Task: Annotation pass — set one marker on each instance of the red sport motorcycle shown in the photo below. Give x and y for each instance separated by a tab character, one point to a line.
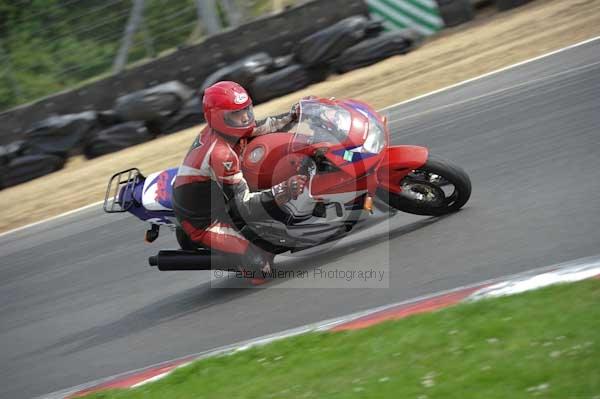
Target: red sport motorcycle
343	146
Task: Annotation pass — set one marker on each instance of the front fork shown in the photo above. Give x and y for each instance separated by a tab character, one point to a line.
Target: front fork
398	162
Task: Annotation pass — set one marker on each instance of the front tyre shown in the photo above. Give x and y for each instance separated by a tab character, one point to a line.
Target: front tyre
437	188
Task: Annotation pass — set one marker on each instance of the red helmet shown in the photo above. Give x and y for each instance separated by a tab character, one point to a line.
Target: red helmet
228	109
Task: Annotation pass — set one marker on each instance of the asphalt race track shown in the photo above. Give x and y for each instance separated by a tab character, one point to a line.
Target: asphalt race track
78	301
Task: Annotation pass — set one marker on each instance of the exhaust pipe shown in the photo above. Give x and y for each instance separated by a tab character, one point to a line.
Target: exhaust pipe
171	260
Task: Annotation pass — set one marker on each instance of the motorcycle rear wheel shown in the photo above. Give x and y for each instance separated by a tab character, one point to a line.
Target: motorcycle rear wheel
184	241
437	188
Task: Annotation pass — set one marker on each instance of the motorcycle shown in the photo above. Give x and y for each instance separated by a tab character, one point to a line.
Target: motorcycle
343	147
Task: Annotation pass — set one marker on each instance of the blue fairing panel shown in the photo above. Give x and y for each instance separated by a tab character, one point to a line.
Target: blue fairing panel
154	195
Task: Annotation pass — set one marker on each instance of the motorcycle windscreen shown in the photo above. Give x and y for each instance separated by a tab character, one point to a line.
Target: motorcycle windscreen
320	123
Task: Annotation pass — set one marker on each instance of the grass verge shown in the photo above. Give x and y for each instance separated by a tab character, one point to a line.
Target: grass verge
542	344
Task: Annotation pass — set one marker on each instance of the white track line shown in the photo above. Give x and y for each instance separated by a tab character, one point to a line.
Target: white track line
152	379
383	109
83	208
485	75
571	71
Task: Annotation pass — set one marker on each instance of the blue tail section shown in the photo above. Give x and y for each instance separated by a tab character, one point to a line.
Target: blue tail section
152	198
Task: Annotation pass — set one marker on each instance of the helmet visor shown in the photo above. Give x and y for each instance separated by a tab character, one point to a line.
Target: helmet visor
241	118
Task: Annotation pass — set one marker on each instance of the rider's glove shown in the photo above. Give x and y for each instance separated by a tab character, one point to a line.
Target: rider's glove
295	112
289	189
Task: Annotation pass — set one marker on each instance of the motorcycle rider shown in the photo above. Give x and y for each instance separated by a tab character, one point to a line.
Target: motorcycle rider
211	198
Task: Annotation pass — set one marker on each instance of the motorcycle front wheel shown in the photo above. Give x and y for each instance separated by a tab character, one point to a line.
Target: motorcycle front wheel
437	188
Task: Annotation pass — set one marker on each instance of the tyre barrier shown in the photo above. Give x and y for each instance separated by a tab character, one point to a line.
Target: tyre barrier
116	138
456	12
137	117
504	5
23	168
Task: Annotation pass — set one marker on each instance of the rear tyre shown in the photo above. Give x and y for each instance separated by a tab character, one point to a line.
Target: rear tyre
437	188
184	241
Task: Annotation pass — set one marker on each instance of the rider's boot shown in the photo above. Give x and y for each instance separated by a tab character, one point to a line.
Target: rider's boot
266	273
259	265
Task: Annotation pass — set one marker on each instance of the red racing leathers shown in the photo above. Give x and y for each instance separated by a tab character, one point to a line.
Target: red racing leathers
211	196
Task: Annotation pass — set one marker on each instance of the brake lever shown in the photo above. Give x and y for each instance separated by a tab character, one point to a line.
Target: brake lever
309	169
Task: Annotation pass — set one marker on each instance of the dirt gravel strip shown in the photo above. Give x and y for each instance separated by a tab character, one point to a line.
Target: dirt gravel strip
576	270
490	42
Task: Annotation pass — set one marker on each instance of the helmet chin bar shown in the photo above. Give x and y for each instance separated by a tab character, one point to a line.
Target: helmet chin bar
229	138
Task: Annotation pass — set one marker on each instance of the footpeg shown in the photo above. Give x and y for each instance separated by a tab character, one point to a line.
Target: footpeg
152	233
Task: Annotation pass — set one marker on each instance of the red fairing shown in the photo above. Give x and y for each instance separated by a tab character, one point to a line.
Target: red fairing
398	161
338	182
280	159
270	159
276	163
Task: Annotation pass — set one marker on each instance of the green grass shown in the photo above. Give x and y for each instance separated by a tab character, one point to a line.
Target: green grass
541	344
47	46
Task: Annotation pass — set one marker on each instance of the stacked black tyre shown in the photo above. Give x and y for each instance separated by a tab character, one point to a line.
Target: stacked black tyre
504	5
46	146
375	49
351	43
19	164
456	12
116	138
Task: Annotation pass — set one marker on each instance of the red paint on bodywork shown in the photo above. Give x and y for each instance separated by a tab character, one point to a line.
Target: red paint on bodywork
398	161
401	311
